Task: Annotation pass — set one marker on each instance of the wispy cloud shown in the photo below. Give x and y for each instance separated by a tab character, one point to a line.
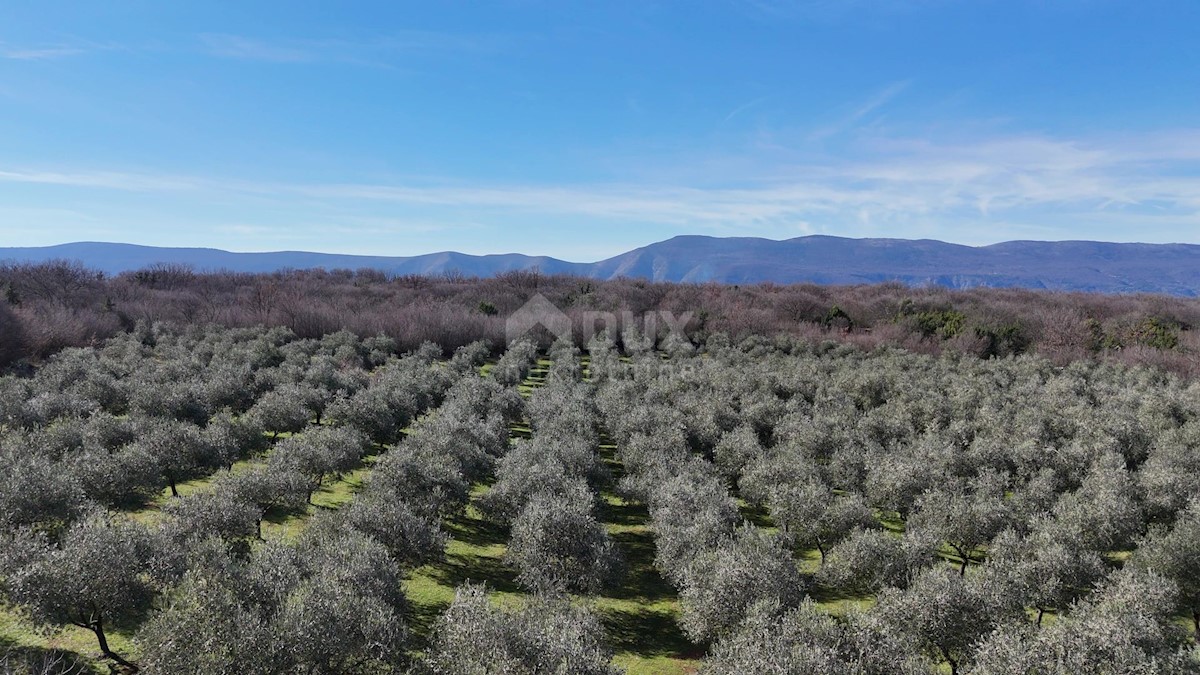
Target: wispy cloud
40	53
239	47
744	107
856	115
986	189
372	51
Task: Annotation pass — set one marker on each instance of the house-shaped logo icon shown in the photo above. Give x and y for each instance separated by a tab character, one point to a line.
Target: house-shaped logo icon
538	312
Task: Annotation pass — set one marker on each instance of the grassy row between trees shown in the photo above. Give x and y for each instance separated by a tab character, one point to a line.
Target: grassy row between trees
773	505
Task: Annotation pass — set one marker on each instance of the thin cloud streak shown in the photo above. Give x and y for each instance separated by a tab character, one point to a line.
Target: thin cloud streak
38	53
914	182
375	51
878	100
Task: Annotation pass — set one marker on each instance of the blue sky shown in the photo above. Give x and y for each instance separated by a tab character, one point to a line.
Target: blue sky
584	129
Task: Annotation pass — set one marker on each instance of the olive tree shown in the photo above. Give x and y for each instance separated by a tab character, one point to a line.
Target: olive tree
723	583
319	452
944	613
223	513
1047	569
410	533
98	576
545	635
813	516
963	518
1174	553
36	492
1126	627
808	640
557	544
869	560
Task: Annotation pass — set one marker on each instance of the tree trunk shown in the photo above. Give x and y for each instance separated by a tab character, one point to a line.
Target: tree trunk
97	627
821	550
174	491
1041	611
952	662
966	560
1196	623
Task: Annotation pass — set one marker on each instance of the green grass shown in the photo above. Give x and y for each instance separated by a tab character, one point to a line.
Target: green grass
19	632
639	615
75	644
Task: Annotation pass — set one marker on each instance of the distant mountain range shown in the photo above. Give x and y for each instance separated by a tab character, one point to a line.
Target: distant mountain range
1063	265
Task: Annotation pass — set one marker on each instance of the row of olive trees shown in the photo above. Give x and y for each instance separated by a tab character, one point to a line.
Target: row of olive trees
1036	474
332	603
66	561
545	489
722	569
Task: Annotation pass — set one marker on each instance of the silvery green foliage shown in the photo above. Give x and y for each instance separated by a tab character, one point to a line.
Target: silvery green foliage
330	604
411	535
1047	569
470	356
634	341
677	345
807	640
518	481
557	545
178	448
267	488
964	515
1126	627
230	438
104	431
544	636
320	452
565	365
286	409
35	494
1174	553
944	614
692	514
514	365
869	560
603	359
221	513
1105	512
1170	477
399	391
723	583
126	476
99	575
737	449
431	481
813	516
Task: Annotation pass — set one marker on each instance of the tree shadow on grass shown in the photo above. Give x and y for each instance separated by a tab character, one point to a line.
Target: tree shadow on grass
462	568
621	512
647	633
642	582
477	531
22	660
422	618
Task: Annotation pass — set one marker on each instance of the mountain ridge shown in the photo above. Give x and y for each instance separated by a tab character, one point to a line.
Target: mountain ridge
1075	265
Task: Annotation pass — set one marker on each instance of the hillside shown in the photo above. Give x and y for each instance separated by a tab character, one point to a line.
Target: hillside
1067	265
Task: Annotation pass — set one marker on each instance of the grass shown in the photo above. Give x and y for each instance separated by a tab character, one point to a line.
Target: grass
18	632
640	615
72	643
